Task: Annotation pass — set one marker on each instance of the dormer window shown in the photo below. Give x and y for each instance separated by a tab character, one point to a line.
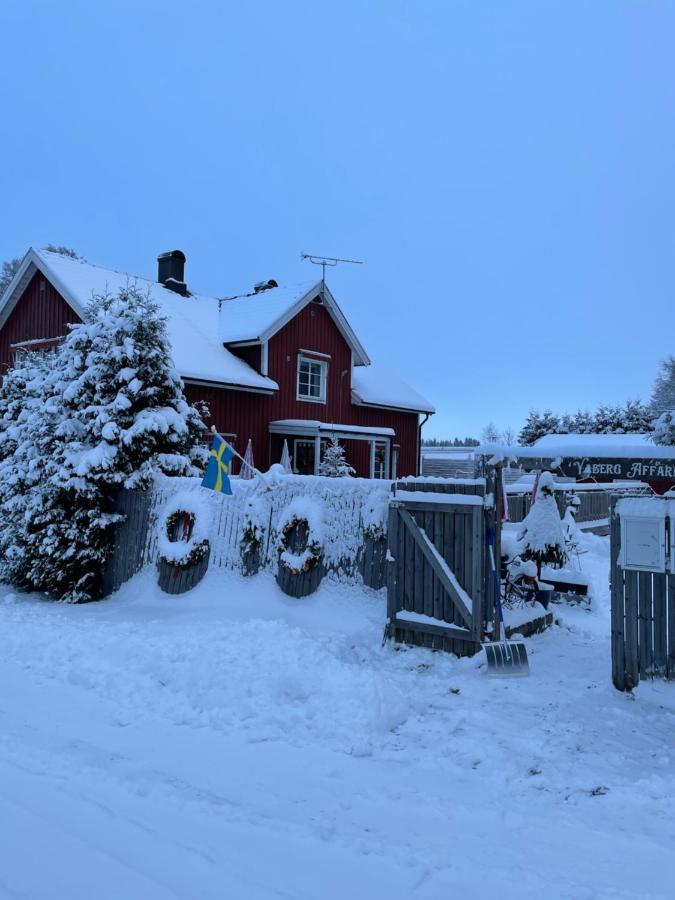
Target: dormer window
312	377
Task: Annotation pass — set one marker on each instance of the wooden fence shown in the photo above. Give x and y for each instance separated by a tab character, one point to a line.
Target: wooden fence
643	618
594	505
349	551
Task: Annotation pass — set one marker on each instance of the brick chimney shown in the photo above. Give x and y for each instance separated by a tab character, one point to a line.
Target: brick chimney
171	271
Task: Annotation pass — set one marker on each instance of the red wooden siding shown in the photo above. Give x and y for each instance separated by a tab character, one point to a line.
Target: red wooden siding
40	313
248	415
43	313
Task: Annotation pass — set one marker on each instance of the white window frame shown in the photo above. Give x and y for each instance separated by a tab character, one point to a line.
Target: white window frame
323	366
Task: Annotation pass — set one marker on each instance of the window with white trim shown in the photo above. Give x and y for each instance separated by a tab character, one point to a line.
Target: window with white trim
312	377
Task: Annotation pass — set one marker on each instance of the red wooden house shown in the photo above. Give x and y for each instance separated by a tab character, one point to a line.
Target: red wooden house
279	363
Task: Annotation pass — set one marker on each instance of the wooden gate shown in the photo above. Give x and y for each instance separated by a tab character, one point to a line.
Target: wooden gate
438	590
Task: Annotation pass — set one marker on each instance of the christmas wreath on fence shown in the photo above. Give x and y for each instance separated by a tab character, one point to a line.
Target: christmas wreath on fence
307	513
254	519
182	531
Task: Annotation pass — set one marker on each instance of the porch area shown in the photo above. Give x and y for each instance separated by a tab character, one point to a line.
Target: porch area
373	452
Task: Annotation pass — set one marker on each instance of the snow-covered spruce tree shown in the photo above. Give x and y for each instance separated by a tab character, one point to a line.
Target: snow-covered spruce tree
608	420
566	424
582	422
124	412
663	395
334	463
537	425
120	413
25	421
664	429
541	530
637	418
531	430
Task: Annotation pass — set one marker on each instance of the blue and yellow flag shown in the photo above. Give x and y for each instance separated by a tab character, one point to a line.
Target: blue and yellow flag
217	472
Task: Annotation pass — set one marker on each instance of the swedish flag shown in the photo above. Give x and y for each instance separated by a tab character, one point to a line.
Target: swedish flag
217	472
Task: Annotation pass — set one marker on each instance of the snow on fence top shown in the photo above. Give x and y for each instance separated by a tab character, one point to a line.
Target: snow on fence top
350	506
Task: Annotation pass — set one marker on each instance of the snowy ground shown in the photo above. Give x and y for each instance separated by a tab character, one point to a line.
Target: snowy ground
235	743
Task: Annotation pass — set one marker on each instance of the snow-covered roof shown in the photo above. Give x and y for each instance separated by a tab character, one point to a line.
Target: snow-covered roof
375	385
259	317
197	331
192	322
609	446
573	444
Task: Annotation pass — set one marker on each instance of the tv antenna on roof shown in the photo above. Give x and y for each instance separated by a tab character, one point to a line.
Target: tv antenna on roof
324	261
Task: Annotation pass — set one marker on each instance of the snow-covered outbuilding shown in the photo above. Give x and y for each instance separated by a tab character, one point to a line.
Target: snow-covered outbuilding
632	458
277	363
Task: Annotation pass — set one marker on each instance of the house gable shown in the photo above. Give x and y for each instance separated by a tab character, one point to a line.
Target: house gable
259	318
314	331
38	313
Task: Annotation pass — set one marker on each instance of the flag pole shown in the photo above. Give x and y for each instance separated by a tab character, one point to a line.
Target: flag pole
238	455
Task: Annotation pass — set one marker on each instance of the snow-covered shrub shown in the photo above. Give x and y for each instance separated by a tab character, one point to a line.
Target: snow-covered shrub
570	528
183	530
541	532
375	511
664	429
334	463
307	512
106	409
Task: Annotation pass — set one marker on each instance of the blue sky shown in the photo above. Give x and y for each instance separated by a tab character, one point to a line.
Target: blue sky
505	169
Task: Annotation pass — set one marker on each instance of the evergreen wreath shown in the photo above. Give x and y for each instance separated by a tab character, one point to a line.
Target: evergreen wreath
296	563
256	515
182	534
251	539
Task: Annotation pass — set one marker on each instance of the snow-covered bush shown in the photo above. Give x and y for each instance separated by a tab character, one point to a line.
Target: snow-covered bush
664	429
106	410
375	511
334	463
571	530
307	512
541	532
183	529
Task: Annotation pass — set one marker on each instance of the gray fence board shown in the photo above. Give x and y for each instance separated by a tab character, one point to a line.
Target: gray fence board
617	612
670	583
645	633
659	600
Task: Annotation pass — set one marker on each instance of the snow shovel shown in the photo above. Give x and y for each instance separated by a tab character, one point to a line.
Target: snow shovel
505	658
